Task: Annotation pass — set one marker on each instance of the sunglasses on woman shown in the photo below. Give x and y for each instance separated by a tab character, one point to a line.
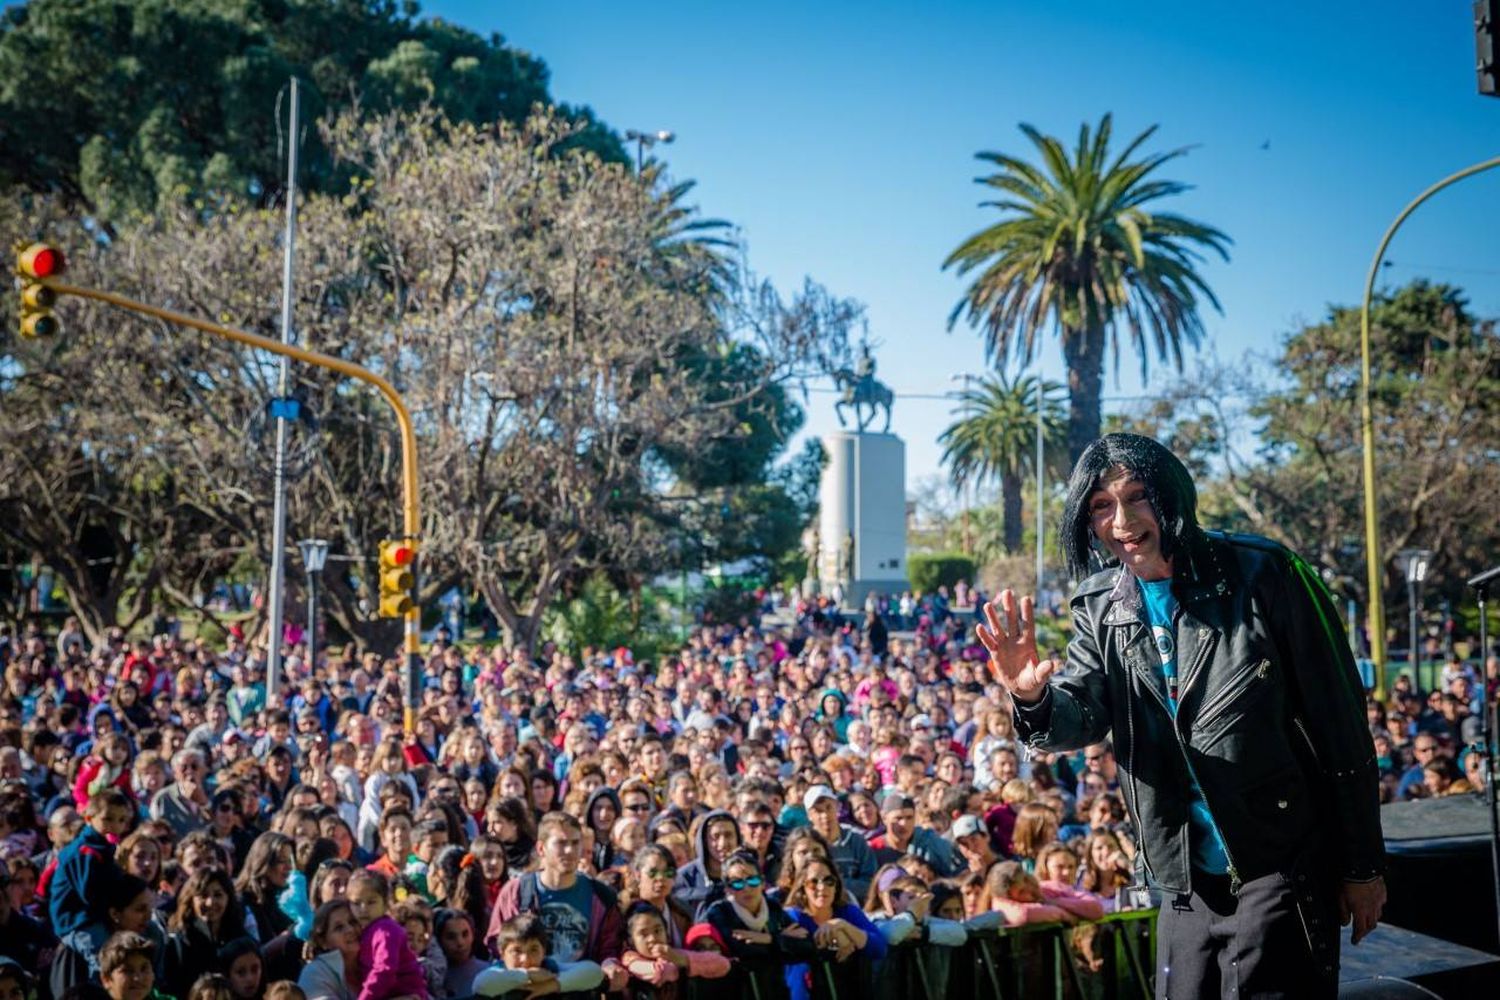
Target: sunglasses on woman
741	884
825	881
661	872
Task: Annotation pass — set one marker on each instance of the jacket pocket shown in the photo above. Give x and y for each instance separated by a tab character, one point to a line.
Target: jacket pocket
1239	692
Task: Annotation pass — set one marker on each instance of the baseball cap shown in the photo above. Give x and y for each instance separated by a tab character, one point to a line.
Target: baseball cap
922	721
897	800
967	826
816	794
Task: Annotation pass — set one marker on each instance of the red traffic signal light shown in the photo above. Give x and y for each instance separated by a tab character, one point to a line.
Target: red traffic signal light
33	264
41	261
397	581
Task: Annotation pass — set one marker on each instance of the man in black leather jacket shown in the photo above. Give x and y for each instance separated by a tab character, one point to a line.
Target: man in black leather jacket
1216	664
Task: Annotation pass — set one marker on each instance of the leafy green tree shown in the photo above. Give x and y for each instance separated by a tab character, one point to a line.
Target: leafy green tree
995	439
125	107
1080	251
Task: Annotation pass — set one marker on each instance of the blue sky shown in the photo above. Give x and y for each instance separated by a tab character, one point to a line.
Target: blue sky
840	139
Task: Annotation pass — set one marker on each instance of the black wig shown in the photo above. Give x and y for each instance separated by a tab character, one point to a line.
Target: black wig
1169	491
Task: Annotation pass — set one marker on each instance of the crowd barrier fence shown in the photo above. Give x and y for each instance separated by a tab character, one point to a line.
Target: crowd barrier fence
1108	959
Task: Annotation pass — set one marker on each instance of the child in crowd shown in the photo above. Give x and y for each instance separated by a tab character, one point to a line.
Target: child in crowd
84	867
387	965
125	966
655	964
415	917
210	986
284	989
1018	895
524	968
240	959
455	934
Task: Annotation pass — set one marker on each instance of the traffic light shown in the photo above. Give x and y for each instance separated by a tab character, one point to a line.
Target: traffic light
1487	45
34	263
397	577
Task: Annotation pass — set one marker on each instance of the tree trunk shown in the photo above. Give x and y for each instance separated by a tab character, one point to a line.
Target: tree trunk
1084	353
1010	510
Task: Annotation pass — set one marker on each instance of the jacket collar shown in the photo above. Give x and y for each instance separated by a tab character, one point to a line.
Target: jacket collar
1197	575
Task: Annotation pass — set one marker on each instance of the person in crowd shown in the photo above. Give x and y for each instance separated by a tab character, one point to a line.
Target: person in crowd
700	882
125	967
579	913
332	953
819	903
208	915
762	938
847	848
652	960
387	965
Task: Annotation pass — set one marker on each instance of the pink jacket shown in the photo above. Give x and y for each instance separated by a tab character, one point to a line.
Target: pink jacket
387	964
1083	905
1024	913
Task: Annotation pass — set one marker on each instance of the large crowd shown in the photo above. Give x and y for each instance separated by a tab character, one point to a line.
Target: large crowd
773	807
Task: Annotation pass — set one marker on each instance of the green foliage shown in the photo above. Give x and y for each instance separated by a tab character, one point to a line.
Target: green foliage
125	107
603	616
929	571
1079	252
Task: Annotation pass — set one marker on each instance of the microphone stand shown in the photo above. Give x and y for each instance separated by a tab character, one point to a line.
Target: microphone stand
1481	584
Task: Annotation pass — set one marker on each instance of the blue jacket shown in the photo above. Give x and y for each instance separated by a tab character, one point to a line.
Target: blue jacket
82	867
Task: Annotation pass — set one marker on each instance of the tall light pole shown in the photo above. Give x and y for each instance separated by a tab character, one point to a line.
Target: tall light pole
963	491
1041	519
314	557
278	493
1417	563
645	140
1376	614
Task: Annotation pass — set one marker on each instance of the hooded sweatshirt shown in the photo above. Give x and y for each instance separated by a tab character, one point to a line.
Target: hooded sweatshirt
840	722
695	889
604	848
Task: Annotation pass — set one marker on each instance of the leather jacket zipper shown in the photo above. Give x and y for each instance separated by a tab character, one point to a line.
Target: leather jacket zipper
1211	709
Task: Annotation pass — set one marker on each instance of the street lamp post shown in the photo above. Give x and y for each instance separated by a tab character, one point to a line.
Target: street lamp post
314	557
644	140
1417	562
1376	613
965	490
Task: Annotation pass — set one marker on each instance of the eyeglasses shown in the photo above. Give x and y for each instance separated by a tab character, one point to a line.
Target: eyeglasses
824	881
759	825
741	884
661	873
638	807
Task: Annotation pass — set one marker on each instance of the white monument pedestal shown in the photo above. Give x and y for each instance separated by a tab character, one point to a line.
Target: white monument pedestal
862	515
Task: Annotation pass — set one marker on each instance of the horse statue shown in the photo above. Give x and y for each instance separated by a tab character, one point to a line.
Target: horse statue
863	391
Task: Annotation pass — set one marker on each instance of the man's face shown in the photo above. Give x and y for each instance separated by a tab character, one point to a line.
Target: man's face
723	838
561	849
901	823
759	828
824	817
1122	519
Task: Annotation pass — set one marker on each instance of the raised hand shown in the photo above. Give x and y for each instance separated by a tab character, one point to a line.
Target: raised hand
1009	633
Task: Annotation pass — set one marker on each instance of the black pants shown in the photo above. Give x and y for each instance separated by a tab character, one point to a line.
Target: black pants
1277	938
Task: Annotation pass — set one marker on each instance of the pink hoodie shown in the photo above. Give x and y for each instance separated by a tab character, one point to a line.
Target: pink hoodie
387	964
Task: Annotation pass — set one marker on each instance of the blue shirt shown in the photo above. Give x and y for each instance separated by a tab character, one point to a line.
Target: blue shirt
1161	611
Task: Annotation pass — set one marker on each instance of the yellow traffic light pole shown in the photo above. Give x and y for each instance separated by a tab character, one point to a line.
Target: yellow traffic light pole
410	511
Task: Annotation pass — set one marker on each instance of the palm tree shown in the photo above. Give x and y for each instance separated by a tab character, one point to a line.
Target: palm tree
995	438
1080	252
